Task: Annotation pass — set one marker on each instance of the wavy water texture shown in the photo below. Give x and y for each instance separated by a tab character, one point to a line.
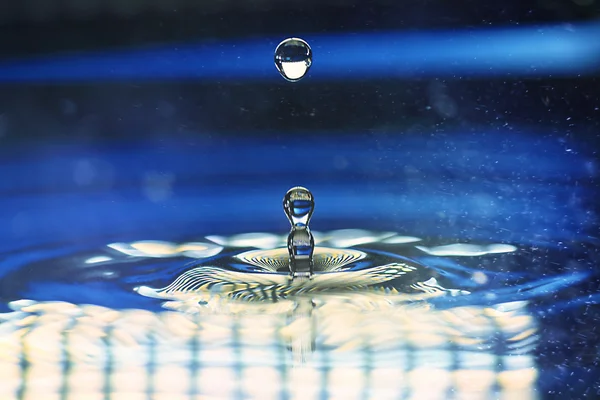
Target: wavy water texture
500	299
386	324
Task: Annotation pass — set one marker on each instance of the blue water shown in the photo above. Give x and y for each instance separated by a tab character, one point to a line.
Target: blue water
63	204
476	185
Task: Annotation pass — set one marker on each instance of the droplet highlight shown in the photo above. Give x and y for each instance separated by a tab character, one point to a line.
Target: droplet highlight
293	59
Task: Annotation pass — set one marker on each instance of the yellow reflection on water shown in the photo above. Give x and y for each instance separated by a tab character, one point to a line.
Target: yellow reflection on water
331	348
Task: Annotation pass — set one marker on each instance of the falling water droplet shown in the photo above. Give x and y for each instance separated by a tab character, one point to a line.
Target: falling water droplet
298	205
293	58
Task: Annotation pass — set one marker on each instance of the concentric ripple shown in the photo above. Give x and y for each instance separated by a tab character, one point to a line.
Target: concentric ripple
384	314
324	258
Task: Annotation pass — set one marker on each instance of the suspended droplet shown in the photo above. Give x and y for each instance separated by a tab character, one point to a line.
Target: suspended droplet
293	58
298	205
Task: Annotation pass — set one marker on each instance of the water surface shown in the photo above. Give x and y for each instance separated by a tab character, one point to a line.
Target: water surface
474	275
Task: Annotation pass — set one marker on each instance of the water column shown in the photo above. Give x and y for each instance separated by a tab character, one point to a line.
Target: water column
299	205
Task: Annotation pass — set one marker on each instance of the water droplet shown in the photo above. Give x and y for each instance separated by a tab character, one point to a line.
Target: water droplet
293	58
298	205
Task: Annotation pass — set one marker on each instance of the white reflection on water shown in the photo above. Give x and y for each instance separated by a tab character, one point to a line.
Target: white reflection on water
163	249
340	238
390	352
467	250
97	259
231	334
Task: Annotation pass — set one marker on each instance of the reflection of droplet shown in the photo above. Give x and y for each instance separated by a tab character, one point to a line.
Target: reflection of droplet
293	58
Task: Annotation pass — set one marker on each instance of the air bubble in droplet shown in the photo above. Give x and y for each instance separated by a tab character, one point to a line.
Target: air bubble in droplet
293	58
